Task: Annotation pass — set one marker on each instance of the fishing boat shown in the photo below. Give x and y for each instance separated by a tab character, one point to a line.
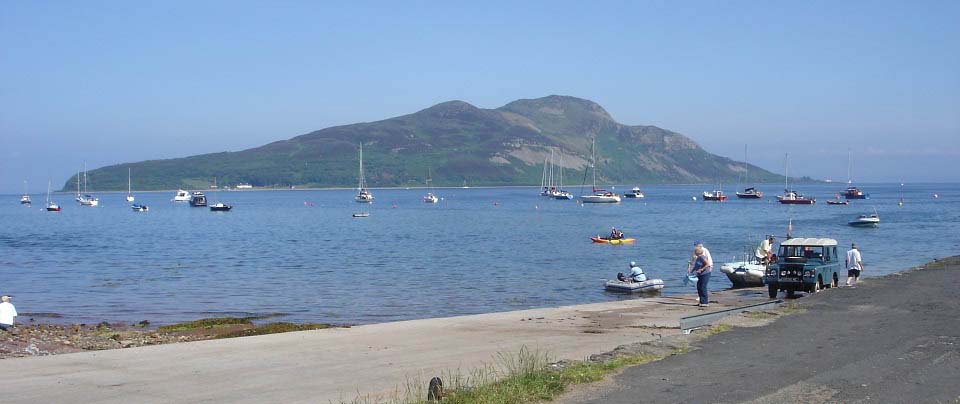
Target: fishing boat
605	240
363	194
220	207
198	200
85	199
650	285
852	192
716	195
129	194
749	192
51	205
872	220
430	197
139	207
790	197
634	193
25	198
181	196
598	195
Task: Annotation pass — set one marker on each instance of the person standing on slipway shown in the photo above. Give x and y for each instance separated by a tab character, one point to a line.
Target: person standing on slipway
854	265
7	313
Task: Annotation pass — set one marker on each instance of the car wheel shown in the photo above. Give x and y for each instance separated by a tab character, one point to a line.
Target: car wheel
817	285
772	291
834	282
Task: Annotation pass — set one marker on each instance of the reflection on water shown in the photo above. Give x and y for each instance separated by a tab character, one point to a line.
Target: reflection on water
478	250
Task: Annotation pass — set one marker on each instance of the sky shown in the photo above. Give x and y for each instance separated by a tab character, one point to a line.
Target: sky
101	83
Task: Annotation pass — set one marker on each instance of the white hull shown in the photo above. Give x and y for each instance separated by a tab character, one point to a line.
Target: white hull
744	273
650	285
599	198
181	196
130	198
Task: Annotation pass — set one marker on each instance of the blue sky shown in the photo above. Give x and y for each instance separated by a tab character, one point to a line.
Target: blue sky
111	82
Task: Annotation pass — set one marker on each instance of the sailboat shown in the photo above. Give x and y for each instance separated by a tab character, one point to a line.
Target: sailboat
219	206
363	195
560	193
852	192
430	197
546	188
598	195
900	202
85	199
25	198
129	195
789	196
750	192
51	206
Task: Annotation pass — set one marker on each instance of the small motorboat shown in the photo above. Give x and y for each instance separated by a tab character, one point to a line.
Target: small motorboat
837	201
562	195
361	214
181	196
650	285
634	193
25	199
220	207
139	207
716	196
744	274
606	240
198	200
430	198
866	221
750	193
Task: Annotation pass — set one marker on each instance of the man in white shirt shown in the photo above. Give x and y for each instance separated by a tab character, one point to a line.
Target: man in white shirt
765	250
7	313
854	265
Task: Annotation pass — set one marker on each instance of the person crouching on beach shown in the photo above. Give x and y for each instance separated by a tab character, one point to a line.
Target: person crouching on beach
854	265
701	264
7	313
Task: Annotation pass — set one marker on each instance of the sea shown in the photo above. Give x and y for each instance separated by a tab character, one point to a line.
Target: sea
300	255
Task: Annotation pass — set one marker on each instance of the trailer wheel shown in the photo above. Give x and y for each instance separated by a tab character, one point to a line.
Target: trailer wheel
791	294
772	291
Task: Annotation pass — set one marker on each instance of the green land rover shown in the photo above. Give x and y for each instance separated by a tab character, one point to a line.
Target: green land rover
804	264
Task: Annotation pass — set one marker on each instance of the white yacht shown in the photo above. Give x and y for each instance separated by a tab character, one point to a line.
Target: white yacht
598	195
363	194
181	196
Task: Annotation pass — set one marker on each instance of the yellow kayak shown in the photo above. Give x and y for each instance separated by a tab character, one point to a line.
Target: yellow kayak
609	241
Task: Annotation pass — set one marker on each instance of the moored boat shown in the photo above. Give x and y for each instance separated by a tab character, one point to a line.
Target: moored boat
598	195
634	193
220	207
750	193
25	198
853	192
137	207
181	196
198	200
837	201
363	194
716	196
51	205
795	198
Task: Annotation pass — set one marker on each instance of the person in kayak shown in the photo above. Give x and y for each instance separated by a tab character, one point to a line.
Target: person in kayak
615	234
636	274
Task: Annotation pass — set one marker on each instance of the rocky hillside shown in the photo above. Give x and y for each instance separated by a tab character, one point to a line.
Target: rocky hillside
457	142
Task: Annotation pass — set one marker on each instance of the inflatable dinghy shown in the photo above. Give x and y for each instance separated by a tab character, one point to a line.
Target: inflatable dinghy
650	285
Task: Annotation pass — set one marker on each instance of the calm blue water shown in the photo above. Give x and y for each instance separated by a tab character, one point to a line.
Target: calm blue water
479	250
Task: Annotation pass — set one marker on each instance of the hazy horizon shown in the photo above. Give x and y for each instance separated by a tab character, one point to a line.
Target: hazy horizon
109	83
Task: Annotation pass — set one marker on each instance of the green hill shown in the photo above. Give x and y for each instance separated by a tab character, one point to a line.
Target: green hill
458	142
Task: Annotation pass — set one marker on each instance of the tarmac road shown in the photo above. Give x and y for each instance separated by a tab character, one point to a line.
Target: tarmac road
894	339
